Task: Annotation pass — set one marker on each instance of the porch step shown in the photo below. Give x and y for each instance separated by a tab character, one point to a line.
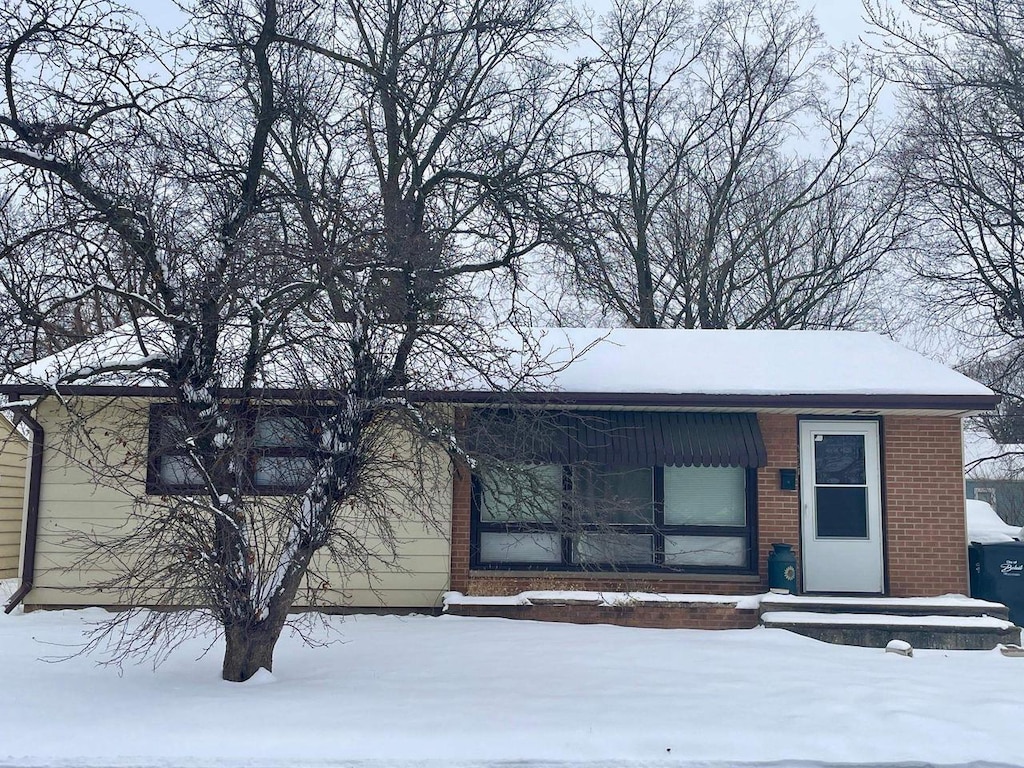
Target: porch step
950	605
950	632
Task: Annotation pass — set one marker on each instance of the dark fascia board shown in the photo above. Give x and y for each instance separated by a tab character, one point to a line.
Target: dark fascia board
636	399
752	402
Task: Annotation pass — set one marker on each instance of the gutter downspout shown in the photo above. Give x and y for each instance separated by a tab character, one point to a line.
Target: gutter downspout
35	481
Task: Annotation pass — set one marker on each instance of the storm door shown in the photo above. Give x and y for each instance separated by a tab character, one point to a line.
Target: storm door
841	507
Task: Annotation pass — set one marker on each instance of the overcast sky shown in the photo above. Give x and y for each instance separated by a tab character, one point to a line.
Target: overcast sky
839	19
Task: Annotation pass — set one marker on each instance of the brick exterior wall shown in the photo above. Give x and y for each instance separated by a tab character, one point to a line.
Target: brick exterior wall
923	513
462	495
778	511
924	506
499	583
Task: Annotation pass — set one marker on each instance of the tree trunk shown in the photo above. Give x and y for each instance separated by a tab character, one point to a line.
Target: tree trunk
246	651
249	646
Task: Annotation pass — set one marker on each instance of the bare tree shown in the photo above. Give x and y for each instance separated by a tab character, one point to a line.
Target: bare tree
961	71
288	208
737	182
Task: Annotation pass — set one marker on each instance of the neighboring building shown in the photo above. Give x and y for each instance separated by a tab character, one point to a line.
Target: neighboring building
844	445
995	473
13	456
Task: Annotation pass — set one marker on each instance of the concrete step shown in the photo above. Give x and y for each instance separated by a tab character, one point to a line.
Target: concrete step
950	605
876	630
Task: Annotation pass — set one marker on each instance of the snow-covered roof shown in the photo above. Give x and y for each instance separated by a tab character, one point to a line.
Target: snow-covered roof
619	362
748	363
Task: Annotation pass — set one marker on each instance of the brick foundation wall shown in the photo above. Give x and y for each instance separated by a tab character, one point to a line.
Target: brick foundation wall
924	506
682	616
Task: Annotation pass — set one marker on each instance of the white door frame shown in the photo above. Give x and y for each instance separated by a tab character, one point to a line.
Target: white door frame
853	564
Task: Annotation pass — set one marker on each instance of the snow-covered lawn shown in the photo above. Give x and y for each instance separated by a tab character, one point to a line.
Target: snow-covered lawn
456	691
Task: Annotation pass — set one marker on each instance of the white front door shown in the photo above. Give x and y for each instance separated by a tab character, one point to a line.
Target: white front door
841	506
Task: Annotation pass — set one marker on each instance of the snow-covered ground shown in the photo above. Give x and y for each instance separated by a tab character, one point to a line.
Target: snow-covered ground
451	691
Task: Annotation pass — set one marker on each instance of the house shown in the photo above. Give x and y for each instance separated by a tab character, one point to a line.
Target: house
13	456
842	444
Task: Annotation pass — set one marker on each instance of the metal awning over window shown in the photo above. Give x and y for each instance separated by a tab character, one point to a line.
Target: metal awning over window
618	438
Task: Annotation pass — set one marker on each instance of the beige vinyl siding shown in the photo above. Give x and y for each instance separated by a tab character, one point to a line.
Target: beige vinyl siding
13	459
76	500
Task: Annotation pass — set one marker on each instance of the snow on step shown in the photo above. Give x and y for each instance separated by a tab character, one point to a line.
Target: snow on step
882	620
942	601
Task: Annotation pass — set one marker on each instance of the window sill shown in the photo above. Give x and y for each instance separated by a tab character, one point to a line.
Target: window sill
741	578
251	494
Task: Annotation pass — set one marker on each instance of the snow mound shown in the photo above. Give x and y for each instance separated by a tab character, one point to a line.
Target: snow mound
901	647
262	677
986	527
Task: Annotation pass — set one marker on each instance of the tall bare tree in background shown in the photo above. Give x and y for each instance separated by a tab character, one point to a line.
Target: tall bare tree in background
285	196
734	180
961	68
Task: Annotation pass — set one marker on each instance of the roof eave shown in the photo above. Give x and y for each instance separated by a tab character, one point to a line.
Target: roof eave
839	401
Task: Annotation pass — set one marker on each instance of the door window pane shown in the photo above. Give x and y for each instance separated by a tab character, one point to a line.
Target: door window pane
615	548
528	493
841	513
520	547
705	496
612	495
728	551
839	460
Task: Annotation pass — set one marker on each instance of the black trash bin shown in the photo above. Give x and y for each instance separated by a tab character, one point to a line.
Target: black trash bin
997	574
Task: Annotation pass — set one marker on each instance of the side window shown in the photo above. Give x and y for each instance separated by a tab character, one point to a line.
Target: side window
170	468
708	506
615	508
283	447
521	509
277	456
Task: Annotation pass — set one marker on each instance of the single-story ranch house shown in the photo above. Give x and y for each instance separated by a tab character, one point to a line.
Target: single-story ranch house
844	445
